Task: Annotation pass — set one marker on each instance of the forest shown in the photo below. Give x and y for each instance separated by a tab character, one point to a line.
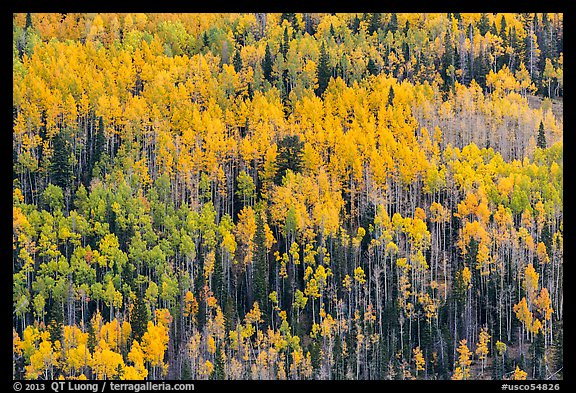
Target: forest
285	196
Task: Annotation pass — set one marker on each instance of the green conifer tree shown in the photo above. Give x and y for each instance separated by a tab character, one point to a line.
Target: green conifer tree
324	71
541	142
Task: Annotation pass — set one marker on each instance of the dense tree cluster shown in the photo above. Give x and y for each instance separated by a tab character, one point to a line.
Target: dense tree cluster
287	196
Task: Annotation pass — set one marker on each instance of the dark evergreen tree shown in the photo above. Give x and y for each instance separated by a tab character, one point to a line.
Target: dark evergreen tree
261	266
371	67
447	61
355	26
537	349
139	318
61	169
290	17
55	324
558	358
503	33
375	23
119	372
493	29
218	280
470	30
289	156
480	70
250	91
267	64
28	21
512	57
237	61
324	72
391	96
483	24
218	373
100	144
91	344
230	313
541	142
531	56
392	23
308	25
286	90
503	30
545	40
284	45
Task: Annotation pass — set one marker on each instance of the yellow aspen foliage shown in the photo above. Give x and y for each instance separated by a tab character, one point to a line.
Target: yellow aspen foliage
211	302
176	122
312	288
30	339
155	343
216	326
206	369
359	275
482	346
299	300
501	348
483	259
270	240
309	255
110	332
429	305
536	326
163	316
418	359
211	344
519	375
523	313
283	272
321	275
273	296
132	374
209	264
468	206
505	185
254	315
77	357
294	248
543	304
420	214
16	343
462	369
542	253
229	243
370	314
467	277
531	282
190	305
392	248
137	357
105	362
44	360
246	230
347	283
472	230
125	332
358	238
